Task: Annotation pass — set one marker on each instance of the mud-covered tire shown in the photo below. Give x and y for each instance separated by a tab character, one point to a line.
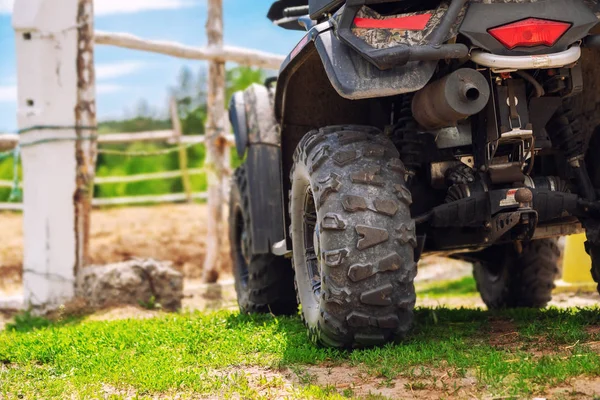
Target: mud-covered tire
264	283
365	236
508	279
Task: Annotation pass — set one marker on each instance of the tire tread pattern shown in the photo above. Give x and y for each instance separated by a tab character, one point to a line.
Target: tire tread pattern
368	266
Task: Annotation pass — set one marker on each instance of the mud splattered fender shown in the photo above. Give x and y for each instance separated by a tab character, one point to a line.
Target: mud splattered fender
352	76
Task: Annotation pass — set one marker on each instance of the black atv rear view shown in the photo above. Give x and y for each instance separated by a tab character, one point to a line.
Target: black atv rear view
399	128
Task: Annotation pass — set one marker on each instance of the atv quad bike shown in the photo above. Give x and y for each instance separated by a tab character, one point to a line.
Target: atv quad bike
398	128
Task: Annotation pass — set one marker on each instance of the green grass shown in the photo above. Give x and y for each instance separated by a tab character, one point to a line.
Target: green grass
462	287
206	353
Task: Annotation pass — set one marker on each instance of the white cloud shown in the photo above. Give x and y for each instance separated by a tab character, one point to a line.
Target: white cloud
8	94
109	7
6	6
104	88
118	69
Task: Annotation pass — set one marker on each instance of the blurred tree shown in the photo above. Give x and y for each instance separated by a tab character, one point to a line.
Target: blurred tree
190	95
240	78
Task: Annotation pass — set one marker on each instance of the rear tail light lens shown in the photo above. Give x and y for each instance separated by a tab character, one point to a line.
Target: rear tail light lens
530	32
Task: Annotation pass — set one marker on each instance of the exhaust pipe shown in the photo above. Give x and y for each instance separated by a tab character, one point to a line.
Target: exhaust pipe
456	96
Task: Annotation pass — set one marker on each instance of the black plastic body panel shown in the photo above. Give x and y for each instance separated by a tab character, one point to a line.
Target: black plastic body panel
481	17
317	8
237	117
276	11
354	77
263	164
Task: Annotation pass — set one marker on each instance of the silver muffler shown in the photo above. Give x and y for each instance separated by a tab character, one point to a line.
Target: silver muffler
456	96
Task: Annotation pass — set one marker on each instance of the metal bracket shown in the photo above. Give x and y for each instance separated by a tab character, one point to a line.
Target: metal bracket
280	249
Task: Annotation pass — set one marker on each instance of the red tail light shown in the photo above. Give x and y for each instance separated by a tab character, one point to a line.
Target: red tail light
530	32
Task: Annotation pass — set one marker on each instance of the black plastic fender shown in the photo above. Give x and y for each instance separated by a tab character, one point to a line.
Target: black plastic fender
237	117
350	74
257	136
263	164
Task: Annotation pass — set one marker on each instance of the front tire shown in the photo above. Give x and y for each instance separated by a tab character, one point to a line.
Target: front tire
264	283
353	237
508	279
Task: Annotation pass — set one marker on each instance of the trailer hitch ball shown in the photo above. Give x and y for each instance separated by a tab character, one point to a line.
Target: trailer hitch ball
524	196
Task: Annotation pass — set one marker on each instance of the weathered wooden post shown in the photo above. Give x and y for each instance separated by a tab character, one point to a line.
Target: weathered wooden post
216	143
57	116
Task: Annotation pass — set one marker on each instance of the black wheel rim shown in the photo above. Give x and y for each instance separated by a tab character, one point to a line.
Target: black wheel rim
241	249
311	244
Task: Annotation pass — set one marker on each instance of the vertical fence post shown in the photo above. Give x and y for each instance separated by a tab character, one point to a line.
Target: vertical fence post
57	116
183	158
215	143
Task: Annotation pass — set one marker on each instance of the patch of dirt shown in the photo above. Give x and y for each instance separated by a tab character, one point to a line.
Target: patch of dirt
124	312
503	334
593	330
434	268
172	232
352	382
577	388
575	299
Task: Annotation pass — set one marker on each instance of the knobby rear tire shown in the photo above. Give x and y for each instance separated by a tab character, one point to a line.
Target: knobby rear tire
364	234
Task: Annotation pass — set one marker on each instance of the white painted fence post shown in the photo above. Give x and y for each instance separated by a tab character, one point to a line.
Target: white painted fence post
54	43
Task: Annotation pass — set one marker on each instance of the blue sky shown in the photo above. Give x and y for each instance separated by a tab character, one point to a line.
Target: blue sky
126	76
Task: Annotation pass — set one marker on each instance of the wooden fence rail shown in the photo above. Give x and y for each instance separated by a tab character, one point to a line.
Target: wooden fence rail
9	141
212	53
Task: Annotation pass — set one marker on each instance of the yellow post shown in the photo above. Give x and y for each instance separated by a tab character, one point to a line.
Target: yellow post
576	266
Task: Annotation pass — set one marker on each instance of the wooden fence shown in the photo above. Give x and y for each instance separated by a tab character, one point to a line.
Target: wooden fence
173	137
57	119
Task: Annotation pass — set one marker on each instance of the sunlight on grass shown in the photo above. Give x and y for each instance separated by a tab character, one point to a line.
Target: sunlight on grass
462	287
186	352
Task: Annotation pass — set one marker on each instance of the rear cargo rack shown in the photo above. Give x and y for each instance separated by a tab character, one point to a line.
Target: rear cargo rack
402	54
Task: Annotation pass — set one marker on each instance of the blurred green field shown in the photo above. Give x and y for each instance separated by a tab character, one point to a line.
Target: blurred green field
113	165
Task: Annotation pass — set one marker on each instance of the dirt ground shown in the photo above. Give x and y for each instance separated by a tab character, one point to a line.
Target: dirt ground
165	232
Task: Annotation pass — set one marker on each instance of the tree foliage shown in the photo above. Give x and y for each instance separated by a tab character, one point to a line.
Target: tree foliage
190	96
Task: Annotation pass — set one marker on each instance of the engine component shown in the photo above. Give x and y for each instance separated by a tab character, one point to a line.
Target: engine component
458	95
551	183
506	173
463	190
453	136
460	173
